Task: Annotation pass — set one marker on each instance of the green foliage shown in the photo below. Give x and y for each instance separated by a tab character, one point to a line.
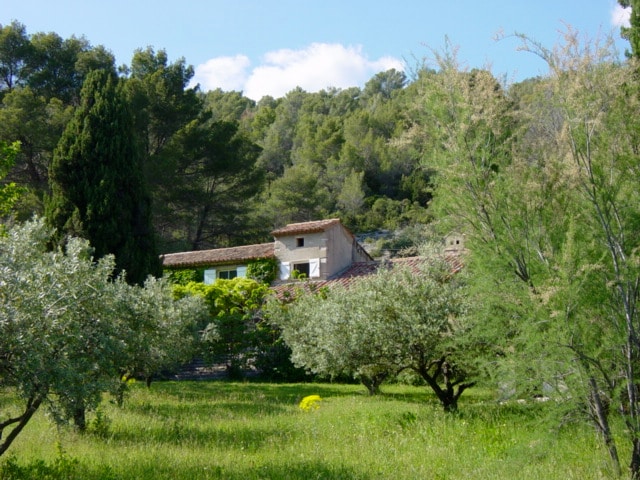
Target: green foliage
249	431
68	329
544	192
397	319
62	322
227	106
405	242
97	188
42	75
101	424
58	67
183	276
38	123
232	307
224	297
345	139
213	177
161	102
15	53
632	32
272	356
299	195
9	192
167	329
263	270
63	467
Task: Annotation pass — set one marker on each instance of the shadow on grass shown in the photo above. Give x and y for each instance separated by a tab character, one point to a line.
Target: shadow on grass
522	412
77	470
215	409
271	393
247	439
198	413
222	400
288	471
423	395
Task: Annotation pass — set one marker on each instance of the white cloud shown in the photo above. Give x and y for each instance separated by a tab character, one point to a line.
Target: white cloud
620	16
318	66
226	73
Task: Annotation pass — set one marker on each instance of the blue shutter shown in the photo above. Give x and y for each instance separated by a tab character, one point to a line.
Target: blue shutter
285	270
209	276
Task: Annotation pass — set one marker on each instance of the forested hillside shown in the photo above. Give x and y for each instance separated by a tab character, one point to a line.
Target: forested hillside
222	169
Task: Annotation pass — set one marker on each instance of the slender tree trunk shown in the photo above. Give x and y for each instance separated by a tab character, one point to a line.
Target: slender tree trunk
32	407
202	217
80	418
634	465
602	424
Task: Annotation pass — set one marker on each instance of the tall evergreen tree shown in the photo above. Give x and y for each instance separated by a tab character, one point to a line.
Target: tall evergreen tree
97	186
632	32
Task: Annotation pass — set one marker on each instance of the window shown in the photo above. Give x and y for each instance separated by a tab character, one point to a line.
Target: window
301	269
300	242
228	274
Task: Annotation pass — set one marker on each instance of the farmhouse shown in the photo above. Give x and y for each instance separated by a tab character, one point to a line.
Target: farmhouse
323	251
318	250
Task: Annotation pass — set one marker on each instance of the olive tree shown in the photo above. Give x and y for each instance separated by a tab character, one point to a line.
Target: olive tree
400	318
166	330
67	327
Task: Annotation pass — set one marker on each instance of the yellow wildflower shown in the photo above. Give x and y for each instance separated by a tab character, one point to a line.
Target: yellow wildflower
310	402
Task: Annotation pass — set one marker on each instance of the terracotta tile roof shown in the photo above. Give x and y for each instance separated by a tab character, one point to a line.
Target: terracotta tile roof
305	227
221	256
358	270
218	256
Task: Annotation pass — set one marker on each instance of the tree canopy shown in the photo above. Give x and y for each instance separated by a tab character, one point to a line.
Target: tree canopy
401	318
98	191
69	330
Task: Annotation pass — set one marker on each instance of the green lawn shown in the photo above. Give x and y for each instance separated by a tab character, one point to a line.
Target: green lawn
243	431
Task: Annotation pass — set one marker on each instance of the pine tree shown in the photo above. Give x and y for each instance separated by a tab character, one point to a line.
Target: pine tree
632	32
96	180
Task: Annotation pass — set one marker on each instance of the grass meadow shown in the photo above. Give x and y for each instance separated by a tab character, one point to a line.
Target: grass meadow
244	431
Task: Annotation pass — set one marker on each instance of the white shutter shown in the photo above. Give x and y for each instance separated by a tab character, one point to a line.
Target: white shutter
241	271
209	276
285	270
314	268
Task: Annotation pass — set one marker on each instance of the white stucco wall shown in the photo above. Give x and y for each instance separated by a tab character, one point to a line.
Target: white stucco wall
288	253
332	248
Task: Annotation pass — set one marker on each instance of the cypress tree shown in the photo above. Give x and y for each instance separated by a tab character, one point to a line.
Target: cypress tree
96	180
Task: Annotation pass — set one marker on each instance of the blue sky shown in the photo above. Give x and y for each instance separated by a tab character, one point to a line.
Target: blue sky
268	47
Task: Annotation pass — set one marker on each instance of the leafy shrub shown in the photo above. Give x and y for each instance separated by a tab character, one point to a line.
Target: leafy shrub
263	270
63	467
183	276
